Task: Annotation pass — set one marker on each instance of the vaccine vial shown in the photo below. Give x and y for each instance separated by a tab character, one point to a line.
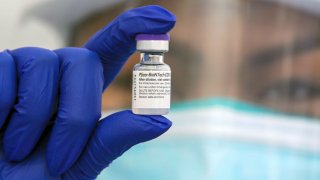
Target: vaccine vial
151	85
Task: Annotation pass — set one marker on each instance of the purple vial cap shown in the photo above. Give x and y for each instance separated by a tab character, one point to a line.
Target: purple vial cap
144	37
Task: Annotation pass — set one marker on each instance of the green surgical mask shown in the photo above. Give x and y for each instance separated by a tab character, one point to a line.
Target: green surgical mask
224	139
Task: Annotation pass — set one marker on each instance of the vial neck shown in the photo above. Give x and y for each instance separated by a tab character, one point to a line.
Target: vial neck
151	58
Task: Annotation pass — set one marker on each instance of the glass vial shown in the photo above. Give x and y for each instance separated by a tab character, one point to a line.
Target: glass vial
151	85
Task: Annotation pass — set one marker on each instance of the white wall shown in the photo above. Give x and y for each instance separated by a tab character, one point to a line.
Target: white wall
18	30
44	23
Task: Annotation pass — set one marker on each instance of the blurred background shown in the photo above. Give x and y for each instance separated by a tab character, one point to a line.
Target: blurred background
257	59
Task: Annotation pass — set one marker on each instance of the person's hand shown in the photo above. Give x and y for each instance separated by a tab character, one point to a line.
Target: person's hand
50	103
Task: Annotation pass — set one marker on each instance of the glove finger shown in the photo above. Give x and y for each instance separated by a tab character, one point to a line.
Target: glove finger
116	42
8	85
38	73
114	135
79	107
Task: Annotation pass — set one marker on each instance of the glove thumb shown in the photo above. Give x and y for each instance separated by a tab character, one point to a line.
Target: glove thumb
113	136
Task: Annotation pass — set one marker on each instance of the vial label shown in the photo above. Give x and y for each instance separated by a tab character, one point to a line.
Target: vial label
151	89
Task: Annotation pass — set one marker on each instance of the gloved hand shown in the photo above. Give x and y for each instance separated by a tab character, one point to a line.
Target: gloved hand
50	103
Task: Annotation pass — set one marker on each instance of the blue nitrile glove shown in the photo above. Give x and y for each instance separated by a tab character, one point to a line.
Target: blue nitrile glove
50	103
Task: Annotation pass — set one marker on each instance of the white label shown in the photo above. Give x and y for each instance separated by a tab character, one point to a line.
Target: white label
151	89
